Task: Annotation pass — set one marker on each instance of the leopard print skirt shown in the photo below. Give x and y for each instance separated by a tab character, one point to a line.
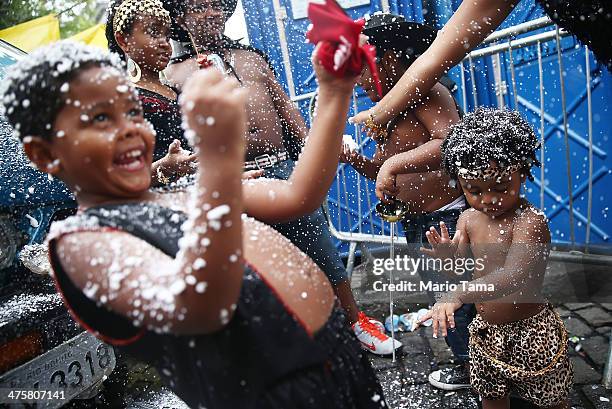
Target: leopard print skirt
527	356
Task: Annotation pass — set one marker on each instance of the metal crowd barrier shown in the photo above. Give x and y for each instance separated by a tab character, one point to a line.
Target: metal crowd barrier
359	224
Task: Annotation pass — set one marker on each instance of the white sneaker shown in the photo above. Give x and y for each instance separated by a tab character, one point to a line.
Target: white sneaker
372	339
450	379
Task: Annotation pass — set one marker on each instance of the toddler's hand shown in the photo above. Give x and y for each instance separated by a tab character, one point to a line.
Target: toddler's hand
252	174
441	244
214	109
443	316
385	184
178	161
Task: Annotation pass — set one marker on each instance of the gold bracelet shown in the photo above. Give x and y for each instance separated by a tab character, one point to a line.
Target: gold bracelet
374	127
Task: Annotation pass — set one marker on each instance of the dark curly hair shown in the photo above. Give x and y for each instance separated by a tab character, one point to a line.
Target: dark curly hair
113	46
486	135
33	91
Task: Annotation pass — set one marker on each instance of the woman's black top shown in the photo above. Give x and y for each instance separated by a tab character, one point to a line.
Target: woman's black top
165	116
589	20
263	358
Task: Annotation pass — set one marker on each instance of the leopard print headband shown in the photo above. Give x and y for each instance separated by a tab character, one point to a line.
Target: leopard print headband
497	173
128	9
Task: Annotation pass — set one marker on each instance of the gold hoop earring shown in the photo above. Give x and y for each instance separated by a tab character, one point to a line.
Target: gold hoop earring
132	66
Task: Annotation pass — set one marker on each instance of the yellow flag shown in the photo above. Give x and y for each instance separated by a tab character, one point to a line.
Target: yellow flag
33	33
93	36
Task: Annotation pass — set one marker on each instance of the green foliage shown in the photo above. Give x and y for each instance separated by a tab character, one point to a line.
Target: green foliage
75	15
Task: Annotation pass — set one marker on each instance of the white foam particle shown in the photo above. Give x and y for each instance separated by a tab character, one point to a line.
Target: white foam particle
218	212
199	263
177	287
33	222
224	316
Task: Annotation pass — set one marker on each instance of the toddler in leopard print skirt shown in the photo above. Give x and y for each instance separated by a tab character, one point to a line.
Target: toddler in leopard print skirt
518	342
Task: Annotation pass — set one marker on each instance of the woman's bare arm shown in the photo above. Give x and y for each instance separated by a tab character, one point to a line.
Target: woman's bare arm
473	21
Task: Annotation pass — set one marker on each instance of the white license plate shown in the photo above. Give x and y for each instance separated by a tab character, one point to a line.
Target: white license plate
65	372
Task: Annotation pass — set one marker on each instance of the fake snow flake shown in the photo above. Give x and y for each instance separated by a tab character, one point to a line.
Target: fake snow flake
65	87
191	280
60	134
375	397
210	121
122	89
148	293
218	212
199	263
33	222
177	287
90	290
201	287
304	295
224	316
602	399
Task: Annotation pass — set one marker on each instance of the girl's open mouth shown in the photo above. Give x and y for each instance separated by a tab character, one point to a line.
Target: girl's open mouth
131	160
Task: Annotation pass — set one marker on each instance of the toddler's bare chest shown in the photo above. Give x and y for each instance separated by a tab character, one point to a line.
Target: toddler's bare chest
406	135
